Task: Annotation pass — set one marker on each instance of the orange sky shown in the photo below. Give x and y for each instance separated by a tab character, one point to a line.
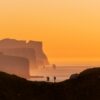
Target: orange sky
69	29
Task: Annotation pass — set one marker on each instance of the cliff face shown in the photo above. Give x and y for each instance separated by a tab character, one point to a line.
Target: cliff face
14	65
27	53
41	57
31	50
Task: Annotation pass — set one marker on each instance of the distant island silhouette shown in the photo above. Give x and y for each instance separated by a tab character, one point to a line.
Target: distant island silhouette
24	52
86	86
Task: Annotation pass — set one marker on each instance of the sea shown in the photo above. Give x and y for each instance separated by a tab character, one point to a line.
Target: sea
60	72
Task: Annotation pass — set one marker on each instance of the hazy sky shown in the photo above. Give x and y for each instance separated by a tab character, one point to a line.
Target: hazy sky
69	29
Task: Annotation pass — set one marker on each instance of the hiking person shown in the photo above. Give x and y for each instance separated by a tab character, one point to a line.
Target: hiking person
48	79
54	79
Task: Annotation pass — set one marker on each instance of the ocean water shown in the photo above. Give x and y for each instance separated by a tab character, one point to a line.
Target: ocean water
60	72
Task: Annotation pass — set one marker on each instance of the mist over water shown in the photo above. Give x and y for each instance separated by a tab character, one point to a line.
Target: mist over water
61	72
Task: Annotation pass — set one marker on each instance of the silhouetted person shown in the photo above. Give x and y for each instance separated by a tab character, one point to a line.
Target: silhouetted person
54	79
48	79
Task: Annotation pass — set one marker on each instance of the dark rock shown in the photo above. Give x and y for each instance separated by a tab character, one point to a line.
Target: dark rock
82	88
74	76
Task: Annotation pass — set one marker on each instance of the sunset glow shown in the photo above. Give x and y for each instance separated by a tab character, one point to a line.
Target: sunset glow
69	29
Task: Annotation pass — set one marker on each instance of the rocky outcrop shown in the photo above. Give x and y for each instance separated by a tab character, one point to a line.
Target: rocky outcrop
14	65
27	53
74	76
41	57
85	87
31	50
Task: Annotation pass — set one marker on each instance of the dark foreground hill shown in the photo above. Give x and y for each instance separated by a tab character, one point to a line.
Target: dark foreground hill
86	86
